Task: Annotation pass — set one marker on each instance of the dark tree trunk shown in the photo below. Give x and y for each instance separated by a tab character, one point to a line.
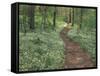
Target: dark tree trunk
81	15
32	17
70	16
44	16
54	18
73	18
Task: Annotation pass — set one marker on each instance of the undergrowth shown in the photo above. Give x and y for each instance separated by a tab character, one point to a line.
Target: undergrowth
40	51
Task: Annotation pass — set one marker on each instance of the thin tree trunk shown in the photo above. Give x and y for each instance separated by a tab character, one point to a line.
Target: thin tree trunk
80	19
45	14
70	16
81	15
54	18
73	18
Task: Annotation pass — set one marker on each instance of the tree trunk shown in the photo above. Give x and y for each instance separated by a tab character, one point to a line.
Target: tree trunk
43	10
44	16
69	16
81	15
73	18
80	19
54	18
32	17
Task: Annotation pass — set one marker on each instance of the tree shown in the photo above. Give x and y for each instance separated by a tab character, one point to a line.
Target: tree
73	18
43	11
54	18
81	17
32	17
69	16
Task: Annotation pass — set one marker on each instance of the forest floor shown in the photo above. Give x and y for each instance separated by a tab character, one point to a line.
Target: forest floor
75	56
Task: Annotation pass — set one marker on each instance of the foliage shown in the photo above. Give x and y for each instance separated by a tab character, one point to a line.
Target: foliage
40	45
89	19
40	51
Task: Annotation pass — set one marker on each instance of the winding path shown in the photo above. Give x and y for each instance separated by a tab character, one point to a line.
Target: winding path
75	57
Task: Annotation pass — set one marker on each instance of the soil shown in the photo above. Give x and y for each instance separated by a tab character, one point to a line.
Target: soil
75	56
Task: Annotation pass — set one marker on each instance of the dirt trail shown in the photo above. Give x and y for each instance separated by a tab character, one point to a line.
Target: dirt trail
75	57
